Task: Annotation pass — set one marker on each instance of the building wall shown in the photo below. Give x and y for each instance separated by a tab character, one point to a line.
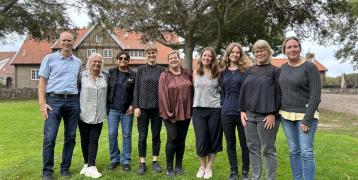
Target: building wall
323	78
23	76
90	43
3	79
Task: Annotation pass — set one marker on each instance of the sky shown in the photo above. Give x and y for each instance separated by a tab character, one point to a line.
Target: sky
324	54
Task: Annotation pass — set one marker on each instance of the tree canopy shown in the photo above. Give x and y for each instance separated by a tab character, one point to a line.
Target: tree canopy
39	18
339	27
216	23
199	23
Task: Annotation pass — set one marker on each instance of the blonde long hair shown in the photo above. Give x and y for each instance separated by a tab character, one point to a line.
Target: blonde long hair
243	62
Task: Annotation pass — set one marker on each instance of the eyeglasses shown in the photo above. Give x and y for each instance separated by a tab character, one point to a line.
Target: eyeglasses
123	58
260	51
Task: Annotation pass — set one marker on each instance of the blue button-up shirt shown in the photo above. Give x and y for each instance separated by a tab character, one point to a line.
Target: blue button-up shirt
61	73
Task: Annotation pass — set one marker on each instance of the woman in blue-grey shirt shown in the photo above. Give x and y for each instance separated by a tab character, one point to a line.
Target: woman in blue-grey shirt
93	96
235	62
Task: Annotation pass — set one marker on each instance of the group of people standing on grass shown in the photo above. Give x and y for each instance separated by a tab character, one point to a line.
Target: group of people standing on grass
236	94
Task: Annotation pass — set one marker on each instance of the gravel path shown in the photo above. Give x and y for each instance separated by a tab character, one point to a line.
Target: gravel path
340	103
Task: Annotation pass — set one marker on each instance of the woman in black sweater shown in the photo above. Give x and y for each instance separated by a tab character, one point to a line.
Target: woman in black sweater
260	98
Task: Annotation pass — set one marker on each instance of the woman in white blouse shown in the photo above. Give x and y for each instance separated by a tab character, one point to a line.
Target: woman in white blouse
93	94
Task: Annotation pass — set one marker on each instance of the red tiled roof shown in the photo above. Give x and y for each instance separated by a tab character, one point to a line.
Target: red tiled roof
80	33
130	40
32	52
280	61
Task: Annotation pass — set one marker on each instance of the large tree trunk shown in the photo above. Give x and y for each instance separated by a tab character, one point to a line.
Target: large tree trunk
188	51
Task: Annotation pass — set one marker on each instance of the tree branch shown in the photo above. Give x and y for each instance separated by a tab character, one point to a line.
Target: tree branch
8	6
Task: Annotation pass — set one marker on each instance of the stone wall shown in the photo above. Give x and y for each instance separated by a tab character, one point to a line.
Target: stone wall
340	91
18	93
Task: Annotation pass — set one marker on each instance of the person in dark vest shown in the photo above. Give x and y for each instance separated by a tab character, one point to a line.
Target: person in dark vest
120	97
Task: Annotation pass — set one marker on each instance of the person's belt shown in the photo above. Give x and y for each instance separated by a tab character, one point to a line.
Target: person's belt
64	96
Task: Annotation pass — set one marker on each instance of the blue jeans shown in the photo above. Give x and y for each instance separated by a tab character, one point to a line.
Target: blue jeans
301	149
69	110
113	122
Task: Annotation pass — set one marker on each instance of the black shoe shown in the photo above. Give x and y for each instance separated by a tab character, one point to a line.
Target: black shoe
156	167
126	167
233	176
178	170
65	173
142	169
170	172
245	175
47	177
113	166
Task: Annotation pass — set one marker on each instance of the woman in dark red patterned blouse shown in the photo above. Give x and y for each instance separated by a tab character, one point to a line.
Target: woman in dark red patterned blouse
175	101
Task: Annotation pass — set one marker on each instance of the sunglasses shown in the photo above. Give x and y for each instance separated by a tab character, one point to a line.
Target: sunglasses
123	58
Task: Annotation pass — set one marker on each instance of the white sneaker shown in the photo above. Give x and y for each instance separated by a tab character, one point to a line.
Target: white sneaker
201	172
84	169
208	174
92	172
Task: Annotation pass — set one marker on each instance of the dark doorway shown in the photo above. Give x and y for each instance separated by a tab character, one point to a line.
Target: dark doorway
9	82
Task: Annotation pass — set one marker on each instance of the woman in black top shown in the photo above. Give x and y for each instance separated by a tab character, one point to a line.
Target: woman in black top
235	62
259	101
146	103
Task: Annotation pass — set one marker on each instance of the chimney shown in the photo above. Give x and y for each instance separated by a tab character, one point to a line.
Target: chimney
310	57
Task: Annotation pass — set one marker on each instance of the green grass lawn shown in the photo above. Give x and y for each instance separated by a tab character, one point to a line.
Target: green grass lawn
21	128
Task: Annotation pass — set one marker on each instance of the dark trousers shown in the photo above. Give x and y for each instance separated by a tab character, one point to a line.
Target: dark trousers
175	146
89	141
208	130
156	126
261	142
230	123
69	110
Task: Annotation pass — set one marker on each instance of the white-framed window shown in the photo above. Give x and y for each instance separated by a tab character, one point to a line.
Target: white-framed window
99	37
90	51
136	53
107	53
35	74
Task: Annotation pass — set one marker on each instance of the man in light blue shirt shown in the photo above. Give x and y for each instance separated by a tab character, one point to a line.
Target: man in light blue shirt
58	98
